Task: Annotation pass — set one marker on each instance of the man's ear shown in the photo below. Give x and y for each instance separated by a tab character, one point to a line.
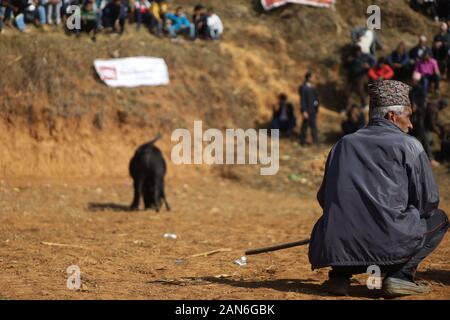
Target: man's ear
391	116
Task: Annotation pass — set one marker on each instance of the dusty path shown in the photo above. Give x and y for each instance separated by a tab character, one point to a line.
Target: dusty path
124	255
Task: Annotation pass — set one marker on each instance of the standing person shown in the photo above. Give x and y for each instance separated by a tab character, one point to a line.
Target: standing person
215	25
429	70
309	103
367	40
283	117
379	199
358	67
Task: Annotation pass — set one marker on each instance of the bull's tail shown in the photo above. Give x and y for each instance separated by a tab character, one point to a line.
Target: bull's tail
155	139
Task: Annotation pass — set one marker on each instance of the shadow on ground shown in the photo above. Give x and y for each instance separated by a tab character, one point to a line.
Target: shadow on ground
108	206
440	276
304	286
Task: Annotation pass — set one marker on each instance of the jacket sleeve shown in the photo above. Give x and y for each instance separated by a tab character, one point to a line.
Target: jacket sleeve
321	192
388	73
372	74
423	190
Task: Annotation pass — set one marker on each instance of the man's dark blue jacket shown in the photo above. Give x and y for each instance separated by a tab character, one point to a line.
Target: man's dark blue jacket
378	184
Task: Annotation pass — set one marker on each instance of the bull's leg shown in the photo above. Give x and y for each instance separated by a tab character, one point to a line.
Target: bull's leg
163	196
157	195
138	184
148	195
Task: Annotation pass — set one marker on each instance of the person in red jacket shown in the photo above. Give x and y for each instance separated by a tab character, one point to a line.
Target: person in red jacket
381	71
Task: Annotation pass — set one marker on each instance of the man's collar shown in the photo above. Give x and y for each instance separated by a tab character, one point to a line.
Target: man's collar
381	122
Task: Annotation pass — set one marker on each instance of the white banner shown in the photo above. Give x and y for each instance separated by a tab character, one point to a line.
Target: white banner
133	72
271	4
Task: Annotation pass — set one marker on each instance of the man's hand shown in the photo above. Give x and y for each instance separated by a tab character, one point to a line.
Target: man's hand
305	115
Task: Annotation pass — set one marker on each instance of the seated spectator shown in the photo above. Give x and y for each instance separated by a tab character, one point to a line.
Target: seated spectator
199	19
35	13
432	124
64	7
144	14
178	23
215	25
416	53
158	10
18	8
3	14
399	62
89	18
381	71
54	10
418	104
114	15
358	66
445	142
283	117
429	71
99	6
441	47
354	121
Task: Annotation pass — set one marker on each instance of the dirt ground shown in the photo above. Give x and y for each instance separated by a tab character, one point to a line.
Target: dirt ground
124	255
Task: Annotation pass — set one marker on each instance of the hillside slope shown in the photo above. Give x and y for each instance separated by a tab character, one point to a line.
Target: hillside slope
58	119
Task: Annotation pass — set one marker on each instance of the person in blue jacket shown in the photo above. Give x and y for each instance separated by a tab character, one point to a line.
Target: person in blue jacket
178	23
379	199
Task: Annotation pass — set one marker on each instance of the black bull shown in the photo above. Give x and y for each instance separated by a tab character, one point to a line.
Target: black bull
148	168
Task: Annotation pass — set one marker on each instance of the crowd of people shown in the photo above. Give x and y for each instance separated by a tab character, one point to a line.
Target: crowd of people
96	15
423	66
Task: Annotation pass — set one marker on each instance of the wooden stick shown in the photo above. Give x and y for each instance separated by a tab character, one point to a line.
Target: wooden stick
208	253
277	247
61	245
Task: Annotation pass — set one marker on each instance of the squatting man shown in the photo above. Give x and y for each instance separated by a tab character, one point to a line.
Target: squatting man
379	200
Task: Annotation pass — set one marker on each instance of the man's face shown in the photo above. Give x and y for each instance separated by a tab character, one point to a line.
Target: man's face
403	121
422	41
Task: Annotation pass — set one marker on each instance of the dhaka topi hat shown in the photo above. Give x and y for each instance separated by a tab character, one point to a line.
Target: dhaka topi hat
388	93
